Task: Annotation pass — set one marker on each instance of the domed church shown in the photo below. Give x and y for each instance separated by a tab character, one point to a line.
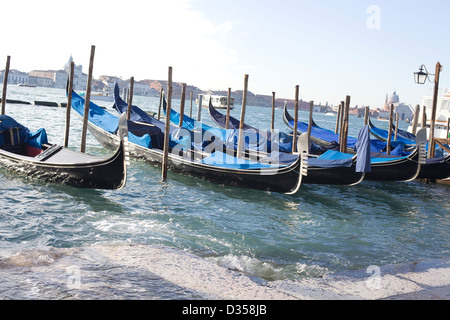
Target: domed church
405	112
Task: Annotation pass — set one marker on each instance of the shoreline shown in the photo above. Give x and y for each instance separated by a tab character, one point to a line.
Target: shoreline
135	272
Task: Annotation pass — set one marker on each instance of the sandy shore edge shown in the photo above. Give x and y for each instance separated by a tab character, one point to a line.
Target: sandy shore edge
125	271
428	279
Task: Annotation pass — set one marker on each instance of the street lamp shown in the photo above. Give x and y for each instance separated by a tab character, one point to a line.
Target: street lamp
420	78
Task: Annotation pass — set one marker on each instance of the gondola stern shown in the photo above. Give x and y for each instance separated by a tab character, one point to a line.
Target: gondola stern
302	147
122	132
420	152
287	117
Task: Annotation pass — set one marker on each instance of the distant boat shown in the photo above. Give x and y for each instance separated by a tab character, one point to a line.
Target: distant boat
218	102
26	85
442	114
100	96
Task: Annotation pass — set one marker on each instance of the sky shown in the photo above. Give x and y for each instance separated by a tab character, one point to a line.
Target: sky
331	49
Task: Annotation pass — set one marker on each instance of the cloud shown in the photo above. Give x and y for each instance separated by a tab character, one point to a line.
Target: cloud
132	38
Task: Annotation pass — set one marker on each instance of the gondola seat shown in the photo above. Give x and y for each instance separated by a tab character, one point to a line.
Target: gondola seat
10	140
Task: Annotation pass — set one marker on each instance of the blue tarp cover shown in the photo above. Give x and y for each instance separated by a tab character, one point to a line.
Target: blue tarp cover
98	116
331	159
223	160
142	135
363	150
331	137
400	139
279	140
34	139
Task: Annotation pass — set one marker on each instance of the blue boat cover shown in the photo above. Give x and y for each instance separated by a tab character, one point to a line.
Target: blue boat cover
38	138
147	136
363	150
253	139
136	114
386	159
228	138
279	140
331	137
22	135
221	119
400	139
223	160
331	159
406	134
98	116
436	160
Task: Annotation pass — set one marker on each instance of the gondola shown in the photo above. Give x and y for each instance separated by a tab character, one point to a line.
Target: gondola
268	173
383	135
30	154
328	169
383	167
329	139
255	141
280	140
434	168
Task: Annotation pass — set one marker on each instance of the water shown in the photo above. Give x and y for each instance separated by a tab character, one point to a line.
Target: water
45	228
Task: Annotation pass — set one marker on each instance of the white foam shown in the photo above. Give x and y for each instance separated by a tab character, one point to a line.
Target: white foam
123	270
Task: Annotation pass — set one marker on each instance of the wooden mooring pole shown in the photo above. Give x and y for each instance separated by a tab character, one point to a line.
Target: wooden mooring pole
240	149
391	119
294	140
69	104
341	129
338	118
431	144
130	98
311	109
183	97
415	120
199	109
343	147
165	160
5	83
227	119
273	113
424	117
87	101
366	116
396	126
160	102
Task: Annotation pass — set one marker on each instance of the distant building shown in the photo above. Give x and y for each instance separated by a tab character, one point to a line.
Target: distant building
79	78
109	82
41	81
57	78
15	77
405	112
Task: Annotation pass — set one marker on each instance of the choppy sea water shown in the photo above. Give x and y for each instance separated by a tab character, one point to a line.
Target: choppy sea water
320	230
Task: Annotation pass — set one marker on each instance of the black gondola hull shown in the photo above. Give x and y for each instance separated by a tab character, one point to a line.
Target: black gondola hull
404	169
333	176
283	179
436	171
107	173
